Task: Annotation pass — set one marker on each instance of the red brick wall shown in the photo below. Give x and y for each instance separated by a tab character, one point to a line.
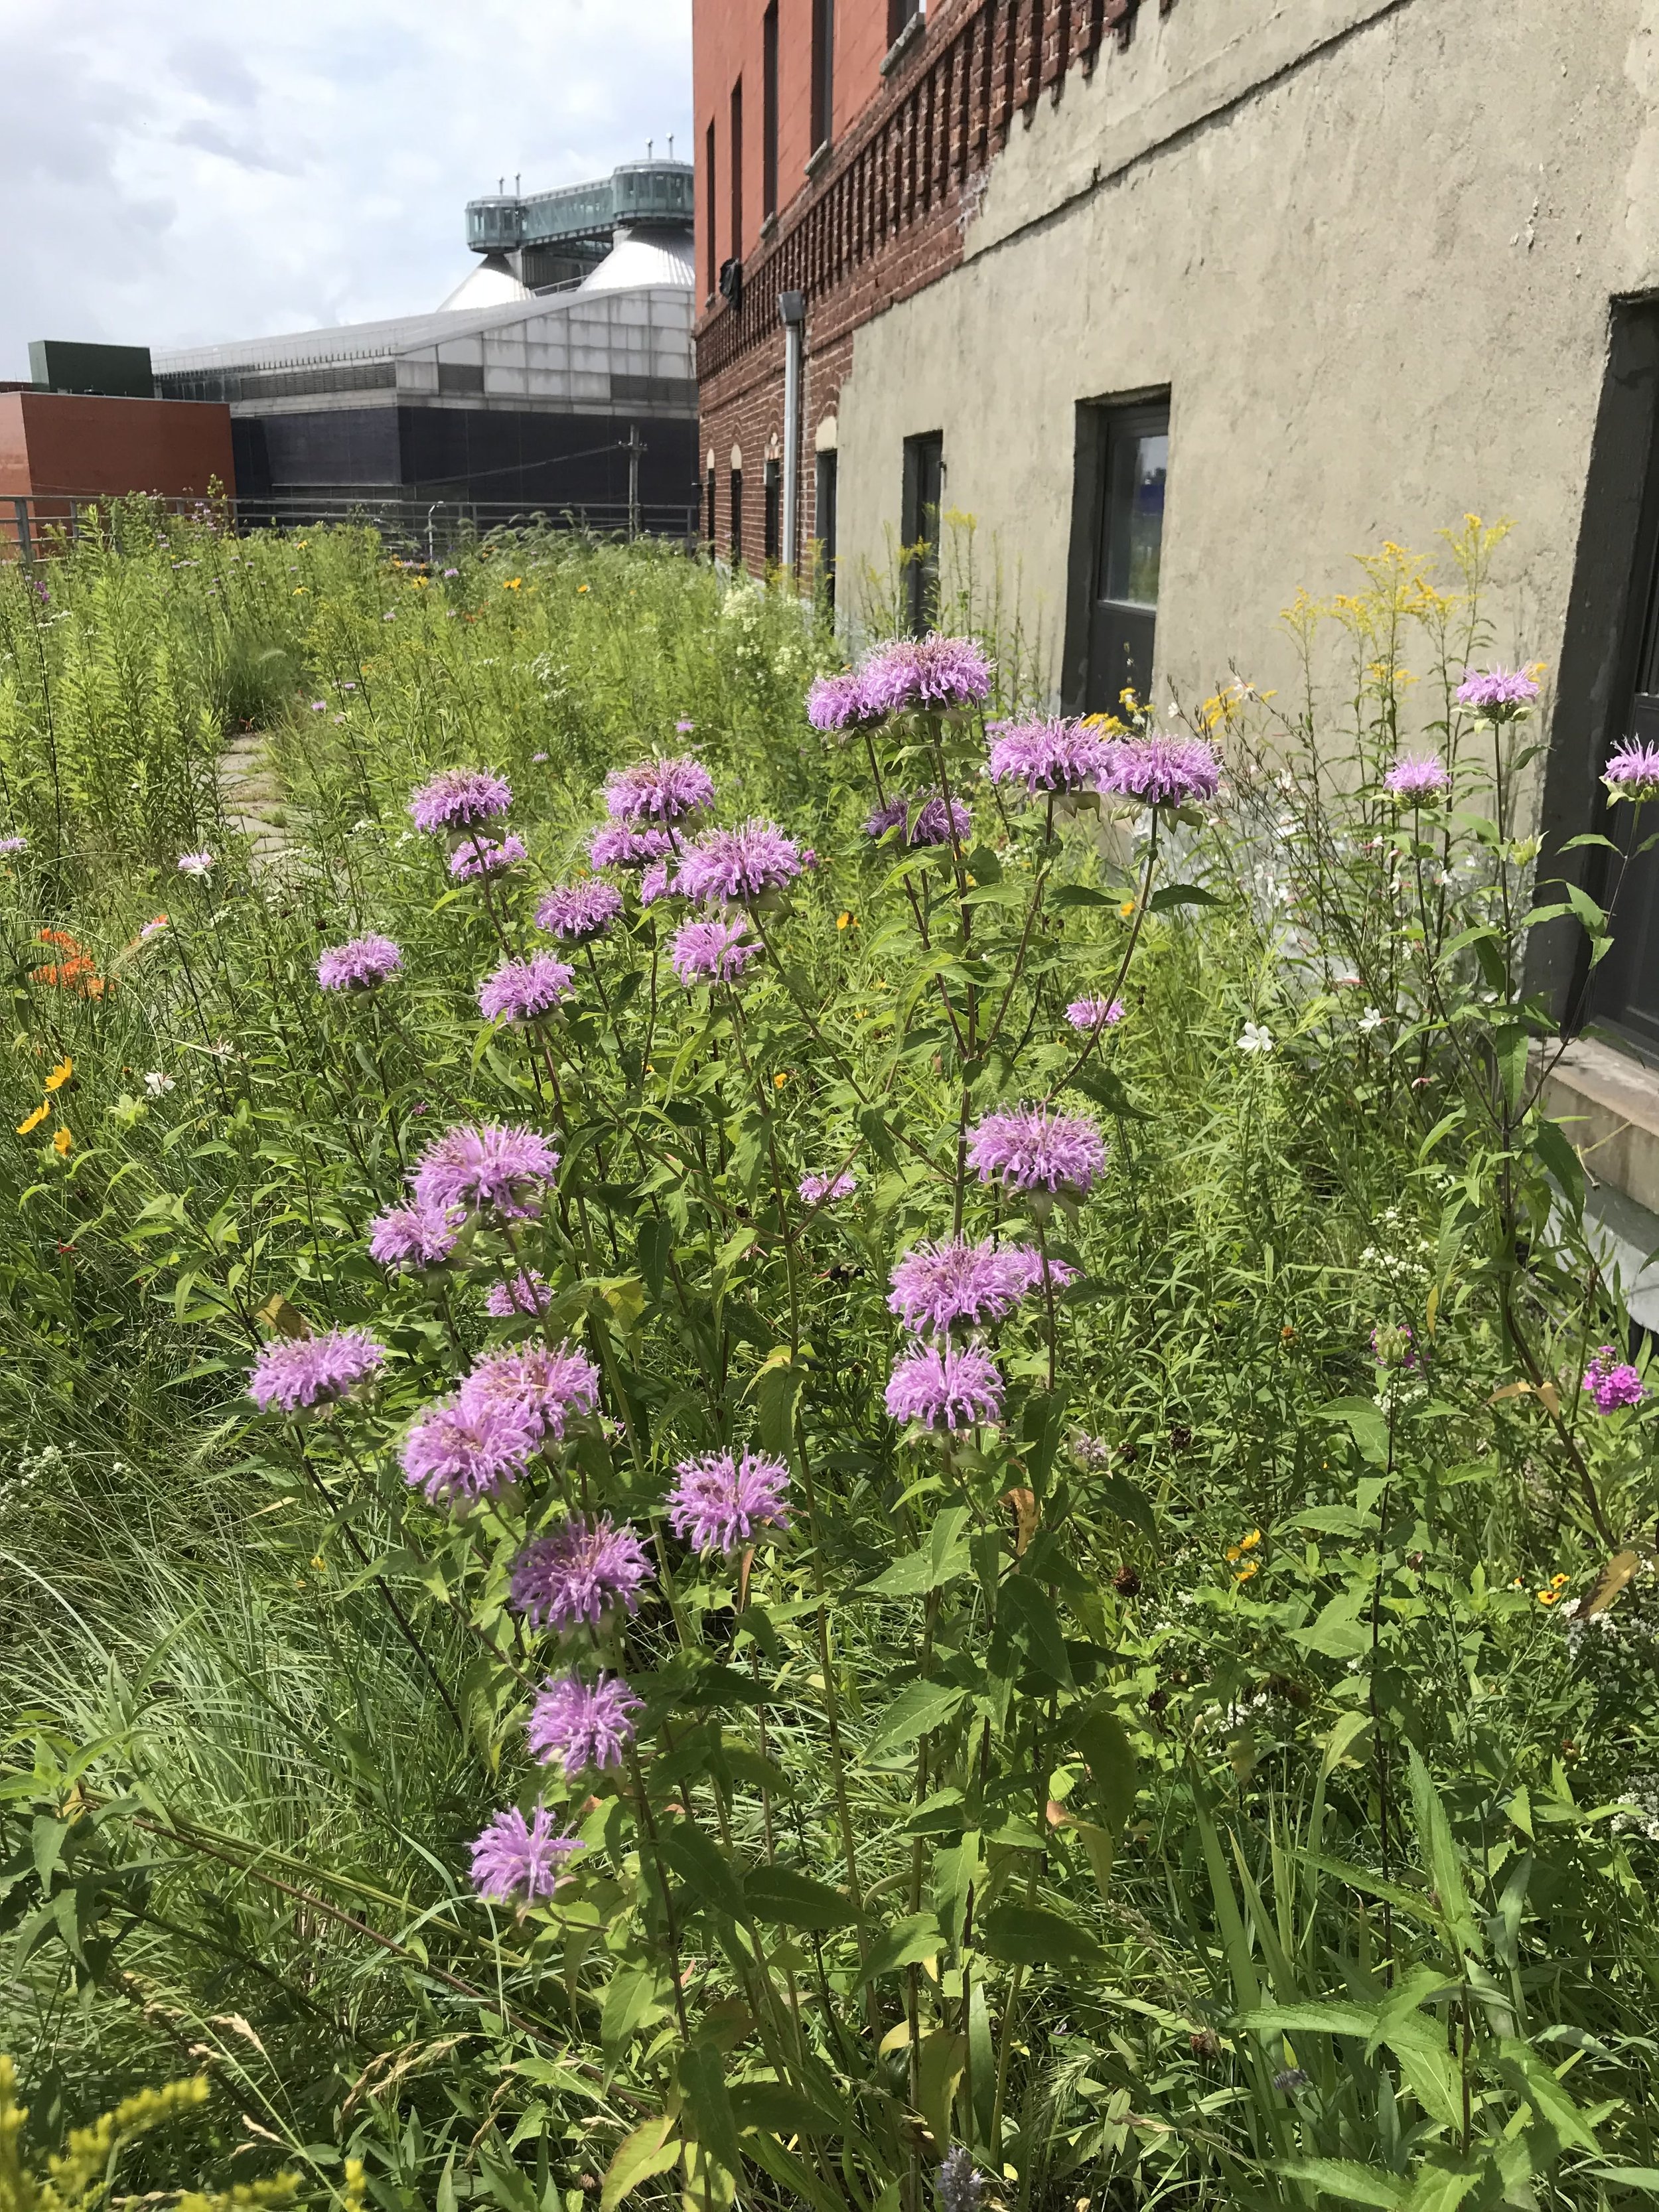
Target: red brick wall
883	216
54	442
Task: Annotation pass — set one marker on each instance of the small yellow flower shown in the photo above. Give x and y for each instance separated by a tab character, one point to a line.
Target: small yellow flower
846	921
33	1121
1548	1597
1245	1573
581	588
513	583
298	589
1126	909
60	1074
1558	1582
781	1079
61	1143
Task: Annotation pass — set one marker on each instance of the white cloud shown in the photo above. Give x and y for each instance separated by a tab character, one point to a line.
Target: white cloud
174	172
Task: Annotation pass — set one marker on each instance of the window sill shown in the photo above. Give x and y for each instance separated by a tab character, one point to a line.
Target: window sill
769	228
816	161
902	45
1610	1106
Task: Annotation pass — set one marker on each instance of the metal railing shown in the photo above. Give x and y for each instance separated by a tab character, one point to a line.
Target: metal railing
33	525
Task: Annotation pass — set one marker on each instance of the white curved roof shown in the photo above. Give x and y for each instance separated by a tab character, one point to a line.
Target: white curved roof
491	284
660	257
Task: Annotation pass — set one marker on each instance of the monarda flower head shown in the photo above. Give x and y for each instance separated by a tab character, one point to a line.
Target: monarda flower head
359	964
659	790
414	1237
517	1861
720	1502
826	1189
1034	1148
459	798
737	868
1048	753
583	1725
526	1292
297	1374
837	702
1419	777
484	856
200	865
455	1454
930	673
1632	772
1094	1014
577	912
922	821
711	952
945	1386
1163	771
527	990
487	1170
552	1389
618	845
1612	1382
580	1572
940	1287
1498	695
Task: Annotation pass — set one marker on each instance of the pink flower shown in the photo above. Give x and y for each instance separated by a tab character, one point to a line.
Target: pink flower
578	1573
459	798
1034	1148
711	952
945	1386
517	1861
1417	776
1612	1382
297	1374
1094	1014
583	1725
719	1502
1497	694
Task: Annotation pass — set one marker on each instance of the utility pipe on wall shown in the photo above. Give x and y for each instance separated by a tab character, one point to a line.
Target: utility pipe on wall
791	311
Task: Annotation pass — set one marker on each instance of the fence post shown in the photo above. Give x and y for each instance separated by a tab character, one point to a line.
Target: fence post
20	509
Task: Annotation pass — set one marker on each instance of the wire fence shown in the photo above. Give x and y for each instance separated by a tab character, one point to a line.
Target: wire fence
31	525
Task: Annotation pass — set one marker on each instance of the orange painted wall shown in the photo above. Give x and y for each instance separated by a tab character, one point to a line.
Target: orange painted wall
59	442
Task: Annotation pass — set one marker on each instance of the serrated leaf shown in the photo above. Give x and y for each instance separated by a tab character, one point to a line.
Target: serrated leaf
652	2149
918	1709
1032	1936
1350	2184
906	1943
785	1897
713	1878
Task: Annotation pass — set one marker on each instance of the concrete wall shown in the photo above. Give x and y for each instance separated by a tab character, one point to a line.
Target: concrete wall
1369	247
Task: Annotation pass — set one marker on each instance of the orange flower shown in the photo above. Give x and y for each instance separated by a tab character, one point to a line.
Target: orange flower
79	973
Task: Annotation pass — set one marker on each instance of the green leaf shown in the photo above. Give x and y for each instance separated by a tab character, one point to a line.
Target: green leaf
1032	1936
906	1943
1349	2183
702	2085
652	2149
1366	1424
1509	1041
1336	1634
779	2109
1175	895
1525	2071
938	1561
1442	2188
1440	1858
634	1996
713	1878
1311	2020
1106	1746
1028	1629
785	1896
915	1712
1070	895
1127	1500
776	1390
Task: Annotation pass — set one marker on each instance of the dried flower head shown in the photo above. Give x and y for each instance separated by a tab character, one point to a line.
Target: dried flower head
361	963
296	1375
720	1502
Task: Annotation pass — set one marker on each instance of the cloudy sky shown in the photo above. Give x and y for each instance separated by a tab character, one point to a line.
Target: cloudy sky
173	172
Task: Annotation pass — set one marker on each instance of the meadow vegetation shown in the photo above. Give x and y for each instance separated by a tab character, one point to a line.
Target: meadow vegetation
990	1541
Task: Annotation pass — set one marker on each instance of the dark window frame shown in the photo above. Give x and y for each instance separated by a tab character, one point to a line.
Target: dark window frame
769	111
823	74
711	204
735	164
734	534
772	512
900	14
924	470
709	493
825	491
1099	421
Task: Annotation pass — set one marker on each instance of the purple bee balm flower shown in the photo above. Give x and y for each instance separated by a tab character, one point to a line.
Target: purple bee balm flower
1420	777
1612	1381
577	912
922	821
459	798
196	864
615	845
1163	771
415	1235
549	1389
711	952
930	673
359	964
1034	1148
295	1374
947	1386
824	1190
517	1861
578	1573
738	866
485	857
1094	1014
893	816
939	1287
653	884
1497	694
659	790
526	990
583	1725
9	845
485	1169
1048	753
719	1502
456	1453
526	1292
1633	771
837	702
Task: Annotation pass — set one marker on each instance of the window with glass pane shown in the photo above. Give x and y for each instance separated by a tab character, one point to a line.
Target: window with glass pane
1135	517
1123	466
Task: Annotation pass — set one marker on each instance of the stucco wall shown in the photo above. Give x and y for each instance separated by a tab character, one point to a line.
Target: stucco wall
1369	245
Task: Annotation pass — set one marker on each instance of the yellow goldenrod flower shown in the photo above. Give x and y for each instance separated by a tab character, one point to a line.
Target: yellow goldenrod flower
33	1121
60	1074
61	1143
